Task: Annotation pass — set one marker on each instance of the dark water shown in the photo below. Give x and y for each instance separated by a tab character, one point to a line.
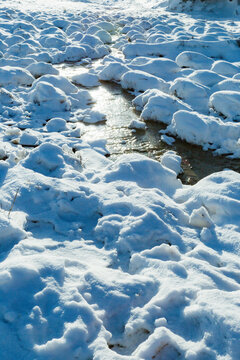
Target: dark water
116	104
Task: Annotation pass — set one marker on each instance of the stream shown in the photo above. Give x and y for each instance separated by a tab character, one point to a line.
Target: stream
116	103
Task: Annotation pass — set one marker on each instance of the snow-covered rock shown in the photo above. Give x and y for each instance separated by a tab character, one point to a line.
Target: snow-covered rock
206	77
194	60
53	98
42	68
86	79
14	76
56	124
225	68
141	81
226	103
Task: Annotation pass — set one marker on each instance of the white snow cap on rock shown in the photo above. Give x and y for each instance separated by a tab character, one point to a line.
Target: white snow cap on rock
42	68
225	68
15	76
194	60
141	81
47	95
56	124
206	77
86	79
226	103
113	71
158	106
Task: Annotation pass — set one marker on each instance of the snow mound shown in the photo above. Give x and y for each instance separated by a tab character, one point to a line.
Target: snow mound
135	124
158	106
206	77
74	53
42	68
152	174
59	82
163	68
191	93
50	160
45	94
86	79
194	60
206	131
218	194
14	76
172	161
226	103
141	81
56	124
225	68
113	71
228	84
28	138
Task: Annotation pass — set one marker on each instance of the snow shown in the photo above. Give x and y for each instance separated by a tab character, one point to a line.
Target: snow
135	124
45	94
86	79
194	60
41	68
225	68
141	81
226	103
172	161
158	106
116	258
15	76
56	124
113	71
206	77
162	67
207	131
189	91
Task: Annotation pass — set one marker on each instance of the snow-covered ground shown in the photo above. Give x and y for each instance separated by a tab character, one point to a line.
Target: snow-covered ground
110	260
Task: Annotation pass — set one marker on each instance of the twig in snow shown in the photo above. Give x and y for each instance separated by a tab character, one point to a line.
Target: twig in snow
13	202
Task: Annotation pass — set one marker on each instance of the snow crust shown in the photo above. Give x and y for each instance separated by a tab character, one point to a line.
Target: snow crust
117	260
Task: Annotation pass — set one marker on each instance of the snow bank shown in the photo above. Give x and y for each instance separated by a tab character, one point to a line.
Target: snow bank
207	131
158	106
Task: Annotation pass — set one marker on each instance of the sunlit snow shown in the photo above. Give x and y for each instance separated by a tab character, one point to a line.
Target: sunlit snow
113	258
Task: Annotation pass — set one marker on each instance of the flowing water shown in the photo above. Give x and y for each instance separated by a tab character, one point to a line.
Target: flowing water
116	104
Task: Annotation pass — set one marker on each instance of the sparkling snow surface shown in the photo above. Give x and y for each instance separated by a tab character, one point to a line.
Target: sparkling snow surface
111	260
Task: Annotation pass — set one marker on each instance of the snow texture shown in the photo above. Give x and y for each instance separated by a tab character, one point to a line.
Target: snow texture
117	259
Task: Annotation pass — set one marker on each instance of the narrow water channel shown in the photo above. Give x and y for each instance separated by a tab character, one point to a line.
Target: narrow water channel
116	104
